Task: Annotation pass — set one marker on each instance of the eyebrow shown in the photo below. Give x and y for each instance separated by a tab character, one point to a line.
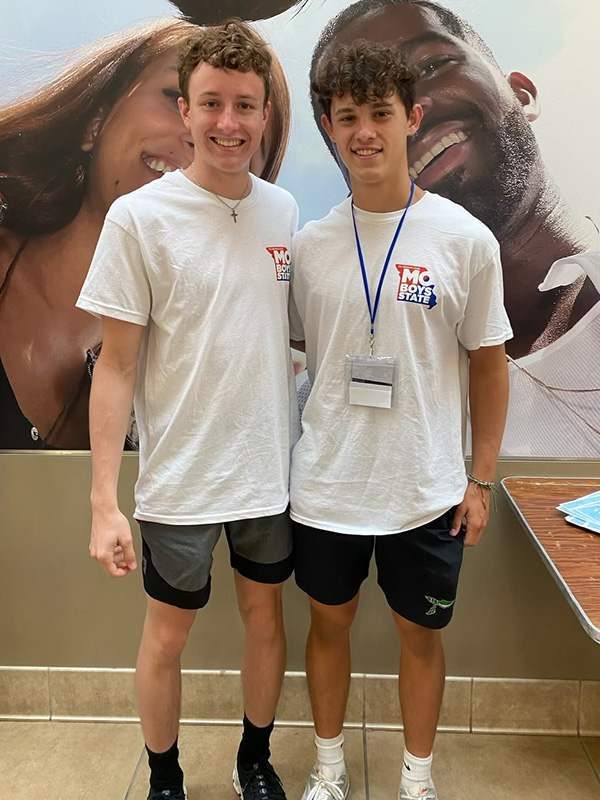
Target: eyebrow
209	93
427	38
349	110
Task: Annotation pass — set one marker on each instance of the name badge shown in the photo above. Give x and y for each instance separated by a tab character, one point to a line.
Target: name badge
370	381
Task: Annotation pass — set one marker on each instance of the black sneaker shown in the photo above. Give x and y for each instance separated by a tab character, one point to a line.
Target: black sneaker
167	794
259	783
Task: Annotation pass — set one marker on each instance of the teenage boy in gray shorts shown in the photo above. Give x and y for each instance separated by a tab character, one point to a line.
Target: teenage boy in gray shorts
191	279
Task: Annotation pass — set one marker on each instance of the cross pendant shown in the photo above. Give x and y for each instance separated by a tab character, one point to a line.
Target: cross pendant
234	215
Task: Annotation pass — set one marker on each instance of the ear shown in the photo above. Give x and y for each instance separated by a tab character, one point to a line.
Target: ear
266	111
91	131
327	127
526	93
414	119
184	111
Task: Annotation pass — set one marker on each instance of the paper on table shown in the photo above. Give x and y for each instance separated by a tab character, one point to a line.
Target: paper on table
583	512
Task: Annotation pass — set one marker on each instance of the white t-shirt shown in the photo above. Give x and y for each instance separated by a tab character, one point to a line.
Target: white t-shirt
379	471
215	397
546	423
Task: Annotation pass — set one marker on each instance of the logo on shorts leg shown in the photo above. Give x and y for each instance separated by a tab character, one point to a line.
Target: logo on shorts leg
435	604
283	261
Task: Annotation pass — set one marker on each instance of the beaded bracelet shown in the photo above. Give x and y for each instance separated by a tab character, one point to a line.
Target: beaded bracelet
484	485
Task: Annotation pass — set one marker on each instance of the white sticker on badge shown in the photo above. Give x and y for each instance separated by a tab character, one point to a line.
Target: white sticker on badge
370	381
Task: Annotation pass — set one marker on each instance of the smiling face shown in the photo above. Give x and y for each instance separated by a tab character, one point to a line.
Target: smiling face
226	117
475	144
371	137
140	138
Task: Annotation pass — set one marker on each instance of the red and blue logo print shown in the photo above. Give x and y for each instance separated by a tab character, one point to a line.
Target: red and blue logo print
283	262
416	286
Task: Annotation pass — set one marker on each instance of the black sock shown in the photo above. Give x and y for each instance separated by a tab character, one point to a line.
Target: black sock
254	745
165	772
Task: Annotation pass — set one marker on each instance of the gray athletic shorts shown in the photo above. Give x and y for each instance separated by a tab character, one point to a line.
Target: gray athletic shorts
177	559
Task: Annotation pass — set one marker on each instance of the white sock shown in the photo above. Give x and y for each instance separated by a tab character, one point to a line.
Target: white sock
330	756
416	772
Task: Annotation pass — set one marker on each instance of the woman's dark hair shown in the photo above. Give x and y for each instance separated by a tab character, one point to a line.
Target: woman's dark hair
42	165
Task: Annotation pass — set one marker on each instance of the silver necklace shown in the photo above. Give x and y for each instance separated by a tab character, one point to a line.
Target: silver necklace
231	208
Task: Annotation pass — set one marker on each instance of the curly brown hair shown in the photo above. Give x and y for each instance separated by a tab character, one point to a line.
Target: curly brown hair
367	71
233	45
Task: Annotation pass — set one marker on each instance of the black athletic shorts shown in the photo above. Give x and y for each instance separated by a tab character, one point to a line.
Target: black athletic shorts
418	569
177	559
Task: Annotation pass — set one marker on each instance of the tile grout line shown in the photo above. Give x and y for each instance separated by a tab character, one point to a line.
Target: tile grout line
138	766
590	760
49	694
364	738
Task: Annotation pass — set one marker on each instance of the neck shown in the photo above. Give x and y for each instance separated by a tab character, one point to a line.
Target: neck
59	262
385	196
540	235
232	185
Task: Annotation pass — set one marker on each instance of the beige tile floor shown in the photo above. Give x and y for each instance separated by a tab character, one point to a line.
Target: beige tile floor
104	761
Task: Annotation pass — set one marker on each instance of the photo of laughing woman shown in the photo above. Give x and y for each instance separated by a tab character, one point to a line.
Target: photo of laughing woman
106	126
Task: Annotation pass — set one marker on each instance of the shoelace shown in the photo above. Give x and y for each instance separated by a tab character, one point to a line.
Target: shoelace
260	781
324	790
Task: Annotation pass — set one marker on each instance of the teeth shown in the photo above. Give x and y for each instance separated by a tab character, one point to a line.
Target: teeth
444	143
366	152
228	142
158	166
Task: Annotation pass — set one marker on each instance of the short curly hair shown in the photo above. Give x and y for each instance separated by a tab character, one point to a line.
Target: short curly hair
232	45
367	71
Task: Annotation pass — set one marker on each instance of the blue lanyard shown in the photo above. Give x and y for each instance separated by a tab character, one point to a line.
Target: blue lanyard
373	309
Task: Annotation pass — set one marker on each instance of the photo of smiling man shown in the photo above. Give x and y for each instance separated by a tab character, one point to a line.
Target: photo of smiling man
476	147
191	279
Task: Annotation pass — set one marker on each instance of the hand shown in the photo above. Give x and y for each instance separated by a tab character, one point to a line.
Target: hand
111	543
475	513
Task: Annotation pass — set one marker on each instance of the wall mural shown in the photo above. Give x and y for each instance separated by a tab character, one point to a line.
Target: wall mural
79	130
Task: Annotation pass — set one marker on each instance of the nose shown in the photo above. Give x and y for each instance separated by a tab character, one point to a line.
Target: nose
365	132
226	121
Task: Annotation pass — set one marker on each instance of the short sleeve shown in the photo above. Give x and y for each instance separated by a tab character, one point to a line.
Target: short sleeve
485	322
117	282
296	324
296	327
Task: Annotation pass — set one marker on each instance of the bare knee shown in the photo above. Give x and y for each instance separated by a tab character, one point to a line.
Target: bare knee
418	641
166	632
332	622
262	613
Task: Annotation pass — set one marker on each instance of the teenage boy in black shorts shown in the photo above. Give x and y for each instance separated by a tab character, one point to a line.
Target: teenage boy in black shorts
182	267
398	296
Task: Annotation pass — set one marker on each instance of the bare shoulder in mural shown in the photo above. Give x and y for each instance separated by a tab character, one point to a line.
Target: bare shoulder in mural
476	146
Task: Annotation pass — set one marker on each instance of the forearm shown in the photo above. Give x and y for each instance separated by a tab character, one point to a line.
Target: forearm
488	401
110	408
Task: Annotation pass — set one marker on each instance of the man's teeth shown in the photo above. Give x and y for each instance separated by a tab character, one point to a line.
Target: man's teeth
444	143
229	142
364	152
158	166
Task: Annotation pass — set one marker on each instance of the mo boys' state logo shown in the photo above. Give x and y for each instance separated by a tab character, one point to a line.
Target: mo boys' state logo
283	261
415	285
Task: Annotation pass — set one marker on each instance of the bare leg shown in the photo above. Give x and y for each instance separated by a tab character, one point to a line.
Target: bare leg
328	664
158	672
263	662
421	684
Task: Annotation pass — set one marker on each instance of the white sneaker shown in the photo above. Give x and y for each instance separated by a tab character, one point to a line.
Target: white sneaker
417	793
323	785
